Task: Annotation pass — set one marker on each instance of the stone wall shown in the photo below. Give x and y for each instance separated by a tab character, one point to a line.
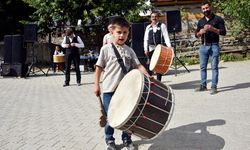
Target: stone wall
187	45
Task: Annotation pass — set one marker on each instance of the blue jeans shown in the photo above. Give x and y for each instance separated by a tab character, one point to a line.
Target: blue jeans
212	51
109	131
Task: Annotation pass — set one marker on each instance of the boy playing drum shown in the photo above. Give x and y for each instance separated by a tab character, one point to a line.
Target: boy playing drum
112	73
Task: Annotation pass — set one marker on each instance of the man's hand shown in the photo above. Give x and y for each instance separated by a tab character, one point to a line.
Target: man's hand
146	52
202	31
208	27
67	45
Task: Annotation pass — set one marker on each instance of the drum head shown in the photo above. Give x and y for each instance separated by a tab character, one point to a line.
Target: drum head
124	101
155	57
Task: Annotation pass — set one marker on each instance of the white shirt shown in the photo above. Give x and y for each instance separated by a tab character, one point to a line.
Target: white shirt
80	43
164	33
112	71
107	38
58	52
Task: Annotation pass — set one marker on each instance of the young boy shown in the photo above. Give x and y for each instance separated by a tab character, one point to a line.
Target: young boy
113	74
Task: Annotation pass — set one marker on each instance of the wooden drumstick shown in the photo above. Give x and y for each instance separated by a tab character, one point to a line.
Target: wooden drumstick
148	61
103	117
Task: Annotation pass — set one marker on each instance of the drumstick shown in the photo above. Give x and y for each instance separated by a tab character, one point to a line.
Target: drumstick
148	61
102	119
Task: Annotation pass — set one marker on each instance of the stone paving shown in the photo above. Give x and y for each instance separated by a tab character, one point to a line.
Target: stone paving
37	113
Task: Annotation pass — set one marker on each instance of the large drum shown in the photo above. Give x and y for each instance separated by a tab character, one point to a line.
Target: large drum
141	106
58	58
161	59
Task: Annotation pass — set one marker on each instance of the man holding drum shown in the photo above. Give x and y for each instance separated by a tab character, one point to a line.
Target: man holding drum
155	33
113	73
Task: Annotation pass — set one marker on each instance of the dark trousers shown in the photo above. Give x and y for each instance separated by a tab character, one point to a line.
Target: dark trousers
158	75
75	57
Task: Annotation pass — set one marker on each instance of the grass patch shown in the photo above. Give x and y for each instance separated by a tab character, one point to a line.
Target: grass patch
223	57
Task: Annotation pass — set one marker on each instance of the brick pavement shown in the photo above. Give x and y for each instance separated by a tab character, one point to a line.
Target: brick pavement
37	113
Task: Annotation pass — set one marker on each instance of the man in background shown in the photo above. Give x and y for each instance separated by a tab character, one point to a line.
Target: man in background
72	43
155	33
208	29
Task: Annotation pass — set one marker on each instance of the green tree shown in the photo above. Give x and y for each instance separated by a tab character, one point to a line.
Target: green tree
236	12
11	13
61	12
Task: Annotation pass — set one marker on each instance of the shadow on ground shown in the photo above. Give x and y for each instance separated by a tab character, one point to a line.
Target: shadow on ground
234	87
187	85
189	137
180	71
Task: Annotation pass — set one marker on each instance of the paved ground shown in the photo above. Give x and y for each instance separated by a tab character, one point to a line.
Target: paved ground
37	113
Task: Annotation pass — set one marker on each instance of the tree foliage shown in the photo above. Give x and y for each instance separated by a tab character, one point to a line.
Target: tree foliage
236	12
11	13
62	12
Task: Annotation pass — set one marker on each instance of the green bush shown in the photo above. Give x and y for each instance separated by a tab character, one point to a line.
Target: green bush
248	56
231	57
189	60
224	57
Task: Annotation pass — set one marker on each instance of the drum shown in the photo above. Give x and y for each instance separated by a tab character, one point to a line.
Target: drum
161	59
58	58
141	106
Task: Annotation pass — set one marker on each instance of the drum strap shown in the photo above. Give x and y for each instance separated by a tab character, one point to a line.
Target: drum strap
120	61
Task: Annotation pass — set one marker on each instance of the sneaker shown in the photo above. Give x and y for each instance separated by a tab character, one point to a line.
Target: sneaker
213	90
78	84
129	145
201	88
111	146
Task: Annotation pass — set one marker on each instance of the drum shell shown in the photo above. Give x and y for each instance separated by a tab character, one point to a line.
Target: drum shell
150	115
164	61
58	58
152	112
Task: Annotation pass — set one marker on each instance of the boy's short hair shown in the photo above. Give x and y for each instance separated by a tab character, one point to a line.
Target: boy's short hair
120	21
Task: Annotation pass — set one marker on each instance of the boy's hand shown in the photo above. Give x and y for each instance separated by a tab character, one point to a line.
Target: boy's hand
151	77
97	90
